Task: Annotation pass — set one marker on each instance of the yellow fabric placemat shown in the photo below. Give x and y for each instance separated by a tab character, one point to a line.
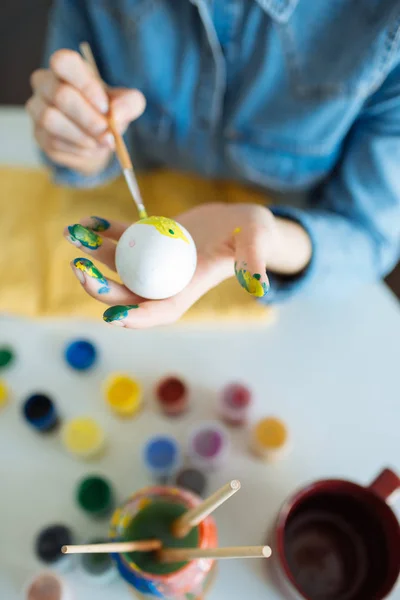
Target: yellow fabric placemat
35	276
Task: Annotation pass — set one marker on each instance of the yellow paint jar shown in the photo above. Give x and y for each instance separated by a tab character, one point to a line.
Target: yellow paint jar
3	393
123	394
83	437
269	438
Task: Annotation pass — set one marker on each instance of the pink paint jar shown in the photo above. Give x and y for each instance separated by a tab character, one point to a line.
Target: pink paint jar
47	586
234	404
208	446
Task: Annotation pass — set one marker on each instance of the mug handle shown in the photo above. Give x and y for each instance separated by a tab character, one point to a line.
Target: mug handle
386	485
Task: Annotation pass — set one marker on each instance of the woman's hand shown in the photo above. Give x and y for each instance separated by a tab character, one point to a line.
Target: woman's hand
69	110
242	238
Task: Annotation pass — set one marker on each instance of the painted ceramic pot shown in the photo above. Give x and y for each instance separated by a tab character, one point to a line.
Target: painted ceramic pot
149	514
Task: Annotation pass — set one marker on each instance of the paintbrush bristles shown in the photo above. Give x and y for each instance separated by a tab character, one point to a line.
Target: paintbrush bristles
138	546
172	555
194	516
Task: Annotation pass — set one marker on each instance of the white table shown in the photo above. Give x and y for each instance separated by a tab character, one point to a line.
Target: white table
330	371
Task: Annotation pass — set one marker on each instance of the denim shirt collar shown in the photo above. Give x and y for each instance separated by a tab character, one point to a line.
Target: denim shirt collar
280	10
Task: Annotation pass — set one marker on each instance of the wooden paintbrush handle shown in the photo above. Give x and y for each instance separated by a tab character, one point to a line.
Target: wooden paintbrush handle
120	147
171	555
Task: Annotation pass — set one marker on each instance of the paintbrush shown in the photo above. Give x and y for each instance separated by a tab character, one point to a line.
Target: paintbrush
194	516
120	147
171	555
137	546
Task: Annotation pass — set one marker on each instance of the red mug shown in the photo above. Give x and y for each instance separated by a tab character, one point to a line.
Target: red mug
336	540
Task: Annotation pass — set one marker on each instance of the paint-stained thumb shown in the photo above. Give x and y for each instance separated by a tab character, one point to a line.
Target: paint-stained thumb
250	251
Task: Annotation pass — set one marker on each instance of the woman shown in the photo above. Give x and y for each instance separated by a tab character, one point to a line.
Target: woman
290	95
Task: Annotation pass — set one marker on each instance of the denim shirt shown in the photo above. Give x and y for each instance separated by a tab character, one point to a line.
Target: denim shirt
293	96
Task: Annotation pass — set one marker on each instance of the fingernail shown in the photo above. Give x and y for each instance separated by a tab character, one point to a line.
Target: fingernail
84	266
73	241
81	236
115	314
102	104
98	224
79	275
251	282
108	141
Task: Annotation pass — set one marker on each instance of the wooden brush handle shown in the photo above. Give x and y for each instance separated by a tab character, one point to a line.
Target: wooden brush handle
171	555
120	147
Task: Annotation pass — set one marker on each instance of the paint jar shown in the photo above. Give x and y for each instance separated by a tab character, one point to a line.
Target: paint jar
99	569
81	355
148	514
193	480
47	586
48	546
208	446
83	437
269	439
172	396
6	356
95	497
162	457
4	393
234	404
123	395
40	413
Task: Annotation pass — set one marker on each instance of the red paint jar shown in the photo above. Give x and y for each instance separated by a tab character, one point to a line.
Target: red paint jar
172	396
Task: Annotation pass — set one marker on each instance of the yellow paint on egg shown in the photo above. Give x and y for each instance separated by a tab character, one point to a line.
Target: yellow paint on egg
165	226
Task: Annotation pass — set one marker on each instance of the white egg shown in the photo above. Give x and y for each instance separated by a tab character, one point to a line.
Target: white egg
156	258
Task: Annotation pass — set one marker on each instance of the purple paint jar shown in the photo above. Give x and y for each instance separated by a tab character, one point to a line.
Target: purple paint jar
234	404
208	445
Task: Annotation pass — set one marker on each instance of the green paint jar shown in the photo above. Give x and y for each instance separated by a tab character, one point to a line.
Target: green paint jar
95	496
6	356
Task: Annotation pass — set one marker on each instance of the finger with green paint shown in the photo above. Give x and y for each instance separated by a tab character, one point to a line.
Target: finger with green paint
251	259
98	286
91	243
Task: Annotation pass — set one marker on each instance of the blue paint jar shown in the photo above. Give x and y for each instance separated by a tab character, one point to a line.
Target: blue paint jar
81	355
162	457
40	413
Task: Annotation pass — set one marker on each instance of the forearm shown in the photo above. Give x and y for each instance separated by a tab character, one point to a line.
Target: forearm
345	253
